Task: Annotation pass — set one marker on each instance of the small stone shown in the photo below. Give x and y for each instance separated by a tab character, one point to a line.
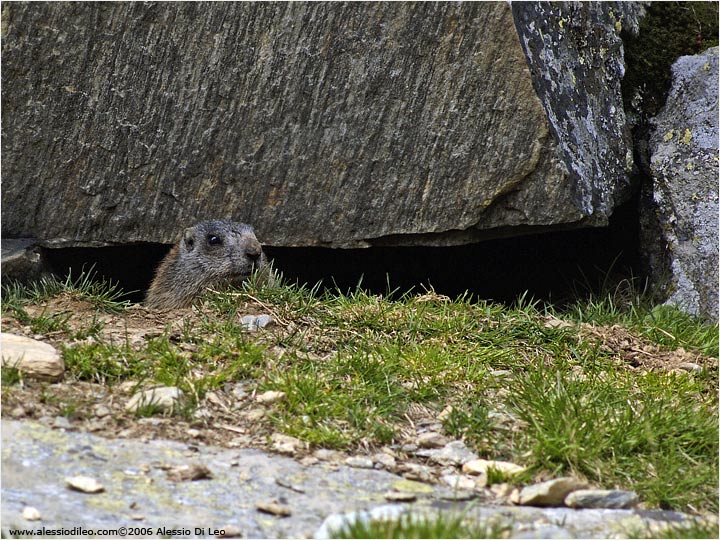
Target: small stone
691	367
137	517
165	398
414	471
188	473
324	454
503	417
431	439
31	357
255	415
101	410
86	484
214	398
429	425
271	396
601	498
240	391
62	422
502	490
514	496
384	461
456	495
284	444
411	486
249	322
194	433
400	496
154	422
359	462
554	322
481	466
274	508
126	387
445	413
309	461
264	321
550	493
534	532
30	513
453	453
202	414
457	481
18	412
230	531
409	448
253	323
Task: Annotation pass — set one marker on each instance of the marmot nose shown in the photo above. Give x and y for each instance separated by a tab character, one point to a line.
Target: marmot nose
253	254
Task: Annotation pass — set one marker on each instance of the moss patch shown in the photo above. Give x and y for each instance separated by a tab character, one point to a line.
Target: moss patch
668	30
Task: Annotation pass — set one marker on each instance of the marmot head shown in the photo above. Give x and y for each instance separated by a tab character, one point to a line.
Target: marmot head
221	251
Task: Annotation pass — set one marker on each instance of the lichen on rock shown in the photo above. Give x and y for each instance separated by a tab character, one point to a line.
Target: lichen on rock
680	209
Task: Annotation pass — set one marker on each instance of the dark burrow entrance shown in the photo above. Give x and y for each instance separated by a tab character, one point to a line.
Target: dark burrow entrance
555	267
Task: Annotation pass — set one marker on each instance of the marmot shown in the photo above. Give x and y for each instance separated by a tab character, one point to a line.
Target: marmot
213	253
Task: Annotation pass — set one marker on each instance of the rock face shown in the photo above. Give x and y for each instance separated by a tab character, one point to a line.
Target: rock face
680	212
341	125
576	58
244	485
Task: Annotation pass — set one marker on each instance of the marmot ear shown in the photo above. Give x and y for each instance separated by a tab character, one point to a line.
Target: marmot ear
189	239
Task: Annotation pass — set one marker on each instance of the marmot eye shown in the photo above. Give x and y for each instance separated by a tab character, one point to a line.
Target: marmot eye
214	240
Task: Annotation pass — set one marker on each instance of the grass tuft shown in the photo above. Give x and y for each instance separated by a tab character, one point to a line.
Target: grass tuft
439	525
103	294
616	428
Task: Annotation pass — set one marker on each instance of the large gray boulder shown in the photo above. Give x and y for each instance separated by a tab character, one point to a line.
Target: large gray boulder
680	214
331	124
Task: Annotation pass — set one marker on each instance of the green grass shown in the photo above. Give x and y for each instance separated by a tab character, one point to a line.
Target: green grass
10	376
103	294
618	428
354	366
439	525
629	305
166	363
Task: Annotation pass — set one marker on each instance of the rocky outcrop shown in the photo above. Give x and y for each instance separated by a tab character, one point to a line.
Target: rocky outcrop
158	486
341	125
680	209
575	55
